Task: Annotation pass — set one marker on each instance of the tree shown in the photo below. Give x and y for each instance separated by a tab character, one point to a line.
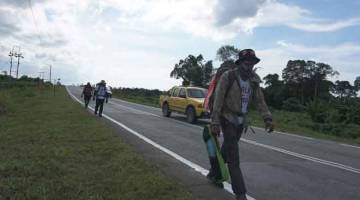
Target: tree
295	75
226	53
307	80
344	89
274	92
207	72
272	80
318	73
357	83
193	70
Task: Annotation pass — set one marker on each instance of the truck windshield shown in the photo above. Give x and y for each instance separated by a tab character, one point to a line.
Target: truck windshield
197	93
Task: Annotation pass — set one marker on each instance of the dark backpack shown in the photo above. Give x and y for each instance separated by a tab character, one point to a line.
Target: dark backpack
226	66
87	91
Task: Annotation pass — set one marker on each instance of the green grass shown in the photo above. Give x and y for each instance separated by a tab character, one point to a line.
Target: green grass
51	148
149	101
298	123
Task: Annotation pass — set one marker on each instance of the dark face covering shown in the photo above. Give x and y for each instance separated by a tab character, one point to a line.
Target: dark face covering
248	66
246	69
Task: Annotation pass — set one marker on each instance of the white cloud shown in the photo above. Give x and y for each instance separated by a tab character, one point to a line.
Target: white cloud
228	10
86	42
221	19
326	26
344	58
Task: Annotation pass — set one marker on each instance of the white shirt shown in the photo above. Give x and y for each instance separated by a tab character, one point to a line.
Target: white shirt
245	94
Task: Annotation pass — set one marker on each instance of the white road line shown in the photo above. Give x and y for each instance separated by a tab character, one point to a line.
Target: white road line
150	107
283	133
298	155
314	159
348	145
152	114
259	128
135	110
192	165
289	134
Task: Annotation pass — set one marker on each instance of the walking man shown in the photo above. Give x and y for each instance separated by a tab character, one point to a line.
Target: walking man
100	95
235	90
87	93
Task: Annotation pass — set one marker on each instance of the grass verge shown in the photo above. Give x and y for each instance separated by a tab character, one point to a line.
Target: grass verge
149	101
52	149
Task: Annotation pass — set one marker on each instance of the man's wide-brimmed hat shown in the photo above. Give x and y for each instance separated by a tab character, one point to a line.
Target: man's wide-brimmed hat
247	54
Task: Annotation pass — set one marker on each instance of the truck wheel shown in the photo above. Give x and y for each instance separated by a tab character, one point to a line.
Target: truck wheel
165	110
190	115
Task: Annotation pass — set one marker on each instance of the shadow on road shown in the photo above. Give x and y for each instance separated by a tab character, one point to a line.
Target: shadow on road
200	122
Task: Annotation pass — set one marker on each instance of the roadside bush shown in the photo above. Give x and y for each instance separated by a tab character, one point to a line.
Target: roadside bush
319	111
293	104
349	112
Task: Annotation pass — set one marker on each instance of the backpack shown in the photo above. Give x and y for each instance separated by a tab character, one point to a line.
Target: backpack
226	66
87	91
101	91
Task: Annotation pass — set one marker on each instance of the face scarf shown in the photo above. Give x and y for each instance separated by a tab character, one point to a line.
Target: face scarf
247	73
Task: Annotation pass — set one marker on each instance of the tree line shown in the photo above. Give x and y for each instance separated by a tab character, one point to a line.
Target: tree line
137	92
303	86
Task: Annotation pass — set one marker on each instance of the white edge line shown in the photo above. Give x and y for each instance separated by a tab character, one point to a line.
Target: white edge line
192	165
148	113
314	159
134	110
298	155
146	106
280	132
348	145
289	134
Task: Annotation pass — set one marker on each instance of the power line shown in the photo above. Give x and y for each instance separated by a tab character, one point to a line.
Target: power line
18	56
11	54
34	20
39	33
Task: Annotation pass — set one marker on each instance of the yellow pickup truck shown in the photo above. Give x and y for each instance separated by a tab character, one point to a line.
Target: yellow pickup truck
185	100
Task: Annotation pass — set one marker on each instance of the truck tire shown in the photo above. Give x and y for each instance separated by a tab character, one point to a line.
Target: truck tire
165	110
190	115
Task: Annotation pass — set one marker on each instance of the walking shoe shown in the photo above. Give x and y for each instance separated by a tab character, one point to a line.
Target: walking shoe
217	183
100	115
209	175
241	197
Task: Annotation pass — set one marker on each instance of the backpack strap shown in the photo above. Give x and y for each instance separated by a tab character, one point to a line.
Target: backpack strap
232	78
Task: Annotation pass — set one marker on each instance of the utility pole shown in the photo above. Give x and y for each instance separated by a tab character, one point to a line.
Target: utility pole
18	55
11	54
50	75
41	75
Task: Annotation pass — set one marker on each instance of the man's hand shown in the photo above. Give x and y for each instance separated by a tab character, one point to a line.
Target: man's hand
215	129
269	126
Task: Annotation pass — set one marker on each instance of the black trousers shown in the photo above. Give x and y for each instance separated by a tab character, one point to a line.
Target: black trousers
230	152
99	106
87	100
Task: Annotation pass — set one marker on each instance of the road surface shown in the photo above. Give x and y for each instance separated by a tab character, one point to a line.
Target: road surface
275	166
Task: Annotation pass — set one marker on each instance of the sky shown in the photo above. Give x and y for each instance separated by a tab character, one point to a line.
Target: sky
137	43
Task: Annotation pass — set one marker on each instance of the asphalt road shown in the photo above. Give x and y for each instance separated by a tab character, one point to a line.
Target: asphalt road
275	166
